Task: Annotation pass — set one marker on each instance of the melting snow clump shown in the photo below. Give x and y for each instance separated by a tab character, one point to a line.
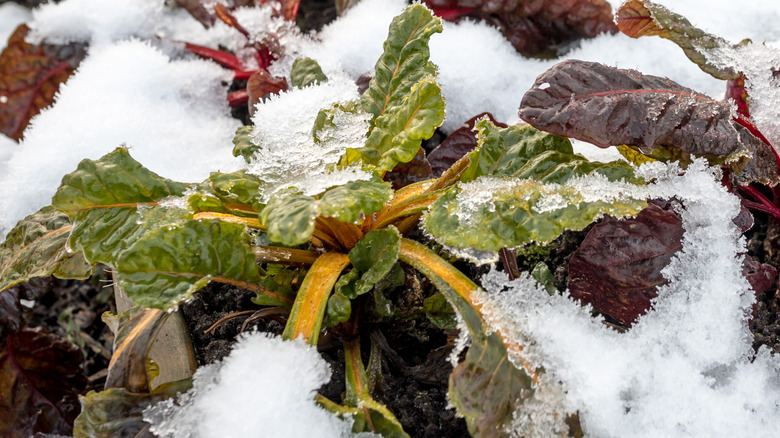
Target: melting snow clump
264	388
687	367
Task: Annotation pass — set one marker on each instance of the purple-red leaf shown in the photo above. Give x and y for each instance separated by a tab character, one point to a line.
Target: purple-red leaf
261	85
617	268
761	276
609	106
30	76
414	171
534	26
460	142
40	379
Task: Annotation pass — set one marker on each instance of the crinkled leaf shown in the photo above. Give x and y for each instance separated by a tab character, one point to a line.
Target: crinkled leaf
305	72
399	131
609	106
11	313
354	200
520	151
460	142
637	18
440	312
372	259
30	76
102	199
242	143
535	28
633	155
40	379
617	268
167	265
37	247
486	387
403	96
289	218
261	85
134	331
280	284
404	61
490	214
339	309
118	413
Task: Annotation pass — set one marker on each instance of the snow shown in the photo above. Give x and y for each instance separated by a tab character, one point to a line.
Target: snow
264	388
12	16
684	369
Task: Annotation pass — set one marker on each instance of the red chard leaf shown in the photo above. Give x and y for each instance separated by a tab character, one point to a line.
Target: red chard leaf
11	313
761	276
617	268
535	28
40	379
30	76
460	142
403	174
261	85
608	106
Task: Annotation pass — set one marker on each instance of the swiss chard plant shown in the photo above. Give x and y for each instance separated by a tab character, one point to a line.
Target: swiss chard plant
318	257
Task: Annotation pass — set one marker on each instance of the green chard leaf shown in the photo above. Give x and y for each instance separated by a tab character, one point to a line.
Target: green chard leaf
241	186
440	312
521	187
305	72
37	247
521	151
403	96
111	202
372	258
289	217
167	265
637	18
242	143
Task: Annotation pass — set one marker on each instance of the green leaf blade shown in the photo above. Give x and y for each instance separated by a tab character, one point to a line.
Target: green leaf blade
354	200
167	265
305	72
289	218
372	258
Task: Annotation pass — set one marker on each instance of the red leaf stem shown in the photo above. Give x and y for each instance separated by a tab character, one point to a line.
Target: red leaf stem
238	97
762	203
222	58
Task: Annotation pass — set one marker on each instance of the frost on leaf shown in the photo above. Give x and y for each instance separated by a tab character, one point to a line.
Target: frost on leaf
492	213
30	76
607	106
637	18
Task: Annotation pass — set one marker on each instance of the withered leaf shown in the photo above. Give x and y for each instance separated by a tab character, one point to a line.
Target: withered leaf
30	76
40	379
608	106
261	85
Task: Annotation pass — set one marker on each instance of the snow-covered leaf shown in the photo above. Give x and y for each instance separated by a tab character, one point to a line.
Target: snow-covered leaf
637	18
617	268
305	72
608	106
107	201
167	265
37	247
520	151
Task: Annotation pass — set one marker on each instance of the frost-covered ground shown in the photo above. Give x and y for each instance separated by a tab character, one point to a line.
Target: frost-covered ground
683	370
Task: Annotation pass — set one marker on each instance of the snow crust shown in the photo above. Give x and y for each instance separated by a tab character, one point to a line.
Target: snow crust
686	368
264	388
289	156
